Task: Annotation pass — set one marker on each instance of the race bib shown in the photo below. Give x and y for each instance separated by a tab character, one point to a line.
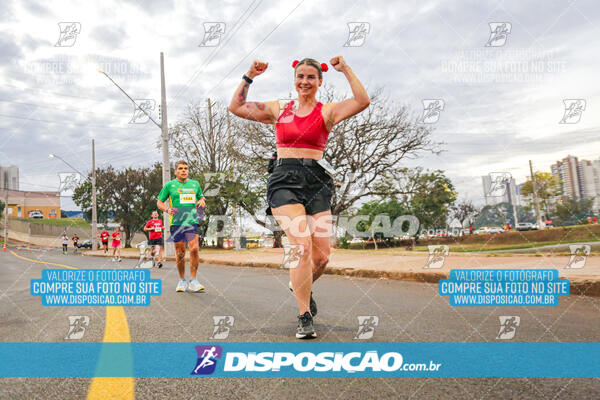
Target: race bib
157	229
187	198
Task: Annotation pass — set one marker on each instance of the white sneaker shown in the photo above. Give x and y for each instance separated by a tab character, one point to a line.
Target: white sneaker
181	286
113	259
290	286
195	286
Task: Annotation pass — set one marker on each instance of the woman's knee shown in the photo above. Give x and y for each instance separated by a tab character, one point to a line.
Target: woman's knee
304	248
320	260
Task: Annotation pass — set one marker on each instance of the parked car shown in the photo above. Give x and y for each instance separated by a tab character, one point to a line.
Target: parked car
356	240
87	244
525	226
495	229
36	214
482	230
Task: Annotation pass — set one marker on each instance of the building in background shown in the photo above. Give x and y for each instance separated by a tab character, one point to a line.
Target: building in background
580	179
507	194
520	198
22	203
566	171
9	177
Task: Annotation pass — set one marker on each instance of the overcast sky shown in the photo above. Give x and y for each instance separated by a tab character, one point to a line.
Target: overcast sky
502	102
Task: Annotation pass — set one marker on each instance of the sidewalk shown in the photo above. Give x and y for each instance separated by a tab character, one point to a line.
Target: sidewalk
409	266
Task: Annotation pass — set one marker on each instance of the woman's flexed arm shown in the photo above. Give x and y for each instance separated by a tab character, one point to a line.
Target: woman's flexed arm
349	107
254	111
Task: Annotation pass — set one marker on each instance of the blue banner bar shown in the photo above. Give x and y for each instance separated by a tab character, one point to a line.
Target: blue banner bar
95	287
503	287
314	359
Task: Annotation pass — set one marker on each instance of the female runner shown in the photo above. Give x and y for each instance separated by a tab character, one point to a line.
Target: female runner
299	190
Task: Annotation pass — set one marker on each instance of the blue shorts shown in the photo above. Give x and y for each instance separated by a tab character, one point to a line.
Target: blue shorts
183	233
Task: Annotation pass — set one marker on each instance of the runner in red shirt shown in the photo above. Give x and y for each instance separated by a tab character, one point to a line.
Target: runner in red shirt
155	227
104	239
116	244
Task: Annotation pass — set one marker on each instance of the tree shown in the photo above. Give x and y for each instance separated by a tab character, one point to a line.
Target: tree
573	211
548	187
366	150
426	195
464	211
500	214
2	205
130	194
208	140
430	195
390	208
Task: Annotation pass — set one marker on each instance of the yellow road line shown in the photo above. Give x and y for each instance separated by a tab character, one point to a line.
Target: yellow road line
41	262
116	330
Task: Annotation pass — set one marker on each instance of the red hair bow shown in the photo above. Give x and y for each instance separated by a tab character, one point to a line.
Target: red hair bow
324	66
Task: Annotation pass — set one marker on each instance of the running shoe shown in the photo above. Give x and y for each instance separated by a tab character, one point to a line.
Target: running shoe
305	327
113	259
119	260
182	285
159	265
195	286
313	304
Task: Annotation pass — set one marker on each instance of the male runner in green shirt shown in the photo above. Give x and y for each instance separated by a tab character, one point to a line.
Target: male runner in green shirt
184	196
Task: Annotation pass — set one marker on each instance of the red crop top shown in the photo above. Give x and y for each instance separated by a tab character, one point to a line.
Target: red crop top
307	132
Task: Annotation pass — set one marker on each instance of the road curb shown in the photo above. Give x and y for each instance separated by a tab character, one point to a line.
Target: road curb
582	287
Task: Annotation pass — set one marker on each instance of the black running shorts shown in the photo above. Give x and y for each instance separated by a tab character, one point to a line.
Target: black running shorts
300	181
156	242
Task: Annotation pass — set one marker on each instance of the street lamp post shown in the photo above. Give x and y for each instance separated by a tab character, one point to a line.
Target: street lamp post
93	179
166	170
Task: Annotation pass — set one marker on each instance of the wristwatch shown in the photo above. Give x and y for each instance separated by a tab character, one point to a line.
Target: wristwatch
247	78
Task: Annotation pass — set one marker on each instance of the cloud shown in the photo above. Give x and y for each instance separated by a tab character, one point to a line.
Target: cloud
496	119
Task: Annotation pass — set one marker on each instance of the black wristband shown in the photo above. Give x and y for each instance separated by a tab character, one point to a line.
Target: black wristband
247	79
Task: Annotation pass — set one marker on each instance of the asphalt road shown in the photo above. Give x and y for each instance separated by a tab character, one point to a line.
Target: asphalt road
265	310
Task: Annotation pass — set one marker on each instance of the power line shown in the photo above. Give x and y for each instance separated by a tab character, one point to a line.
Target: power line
257	46
214	52
65	122
62	109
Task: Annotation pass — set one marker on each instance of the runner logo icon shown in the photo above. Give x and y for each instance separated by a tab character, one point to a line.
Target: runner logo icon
508	327
291	255
498	183
212	34
579	254
142	111
366	326
432	109
498	34
357	33
223	324
68	34
207	359
77	325
573	110
437	255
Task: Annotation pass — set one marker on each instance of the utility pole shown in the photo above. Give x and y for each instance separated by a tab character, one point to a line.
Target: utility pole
94	209
166	168
5	210
512	199
535	202
237	221
164	127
